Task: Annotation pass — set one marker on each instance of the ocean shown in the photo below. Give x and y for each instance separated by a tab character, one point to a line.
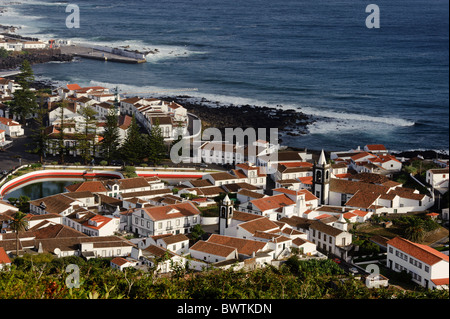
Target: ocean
387	85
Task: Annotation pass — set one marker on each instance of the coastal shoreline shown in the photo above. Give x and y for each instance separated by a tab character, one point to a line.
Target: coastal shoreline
234	116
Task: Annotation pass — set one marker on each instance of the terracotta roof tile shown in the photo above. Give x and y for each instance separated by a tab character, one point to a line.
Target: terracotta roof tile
423	253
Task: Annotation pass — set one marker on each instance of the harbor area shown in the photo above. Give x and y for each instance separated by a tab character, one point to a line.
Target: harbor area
93	53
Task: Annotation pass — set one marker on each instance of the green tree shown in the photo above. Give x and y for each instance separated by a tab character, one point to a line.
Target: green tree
415	231
18	224
61	145
132	148
156	148
39	138
24	104
3	53
197	232
86	138
110	142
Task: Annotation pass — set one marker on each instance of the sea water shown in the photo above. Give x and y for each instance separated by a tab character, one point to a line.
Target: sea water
383	85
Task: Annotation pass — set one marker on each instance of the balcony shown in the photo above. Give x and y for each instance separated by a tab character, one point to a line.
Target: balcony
186	225
169	227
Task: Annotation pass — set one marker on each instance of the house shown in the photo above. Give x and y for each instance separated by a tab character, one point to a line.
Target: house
427	266
117	188
438	178
92	224
357	216
248	173
34	220
244	195
6	206
376	281
304	199
158	258
221	153
62	241
121	263
211	252
221	178
375	149
11	128
304	246
60	204
4	259
171	117
246	248
330	239
157	220
33	45
378	199
178	244
293	170
272	207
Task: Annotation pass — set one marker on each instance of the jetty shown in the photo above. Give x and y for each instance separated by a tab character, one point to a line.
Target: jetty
96	54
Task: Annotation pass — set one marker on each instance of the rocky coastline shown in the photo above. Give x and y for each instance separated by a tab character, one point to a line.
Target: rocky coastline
215	114
14	61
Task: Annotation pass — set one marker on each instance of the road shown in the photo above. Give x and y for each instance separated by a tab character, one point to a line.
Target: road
16	155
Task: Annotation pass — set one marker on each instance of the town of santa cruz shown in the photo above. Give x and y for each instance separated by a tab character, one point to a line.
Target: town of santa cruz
120	192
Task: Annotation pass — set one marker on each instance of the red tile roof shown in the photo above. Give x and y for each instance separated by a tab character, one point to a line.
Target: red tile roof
213	249
423	253
172	211
376	147
272	202
4	259
243	246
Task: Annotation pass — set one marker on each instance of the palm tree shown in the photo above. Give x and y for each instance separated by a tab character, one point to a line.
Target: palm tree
415	230
18	224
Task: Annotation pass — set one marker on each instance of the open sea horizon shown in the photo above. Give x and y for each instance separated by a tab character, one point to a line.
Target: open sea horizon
362	86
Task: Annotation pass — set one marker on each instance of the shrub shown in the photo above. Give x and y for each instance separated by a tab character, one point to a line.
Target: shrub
103	163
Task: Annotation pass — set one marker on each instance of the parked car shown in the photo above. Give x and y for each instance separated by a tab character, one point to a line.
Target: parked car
337	260
353	270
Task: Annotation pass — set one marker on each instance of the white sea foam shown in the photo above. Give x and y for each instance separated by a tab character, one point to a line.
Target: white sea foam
328	121
158	52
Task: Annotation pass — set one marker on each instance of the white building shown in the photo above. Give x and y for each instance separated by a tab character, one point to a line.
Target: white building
330	239
11	128
33	45
211	252
157	220
91	223
438	178
427	266
4	259
178	244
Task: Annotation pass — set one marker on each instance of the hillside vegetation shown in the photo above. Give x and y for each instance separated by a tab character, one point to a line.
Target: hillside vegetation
44	277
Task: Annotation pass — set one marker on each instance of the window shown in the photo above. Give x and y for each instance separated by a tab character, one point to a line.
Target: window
159	225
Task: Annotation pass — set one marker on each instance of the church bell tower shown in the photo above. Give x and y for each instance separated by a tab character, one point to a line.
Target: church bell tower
321	179
225	214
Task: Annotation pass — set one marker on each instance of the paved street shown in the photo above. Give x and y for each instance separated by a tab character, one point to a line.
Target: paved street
9	159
